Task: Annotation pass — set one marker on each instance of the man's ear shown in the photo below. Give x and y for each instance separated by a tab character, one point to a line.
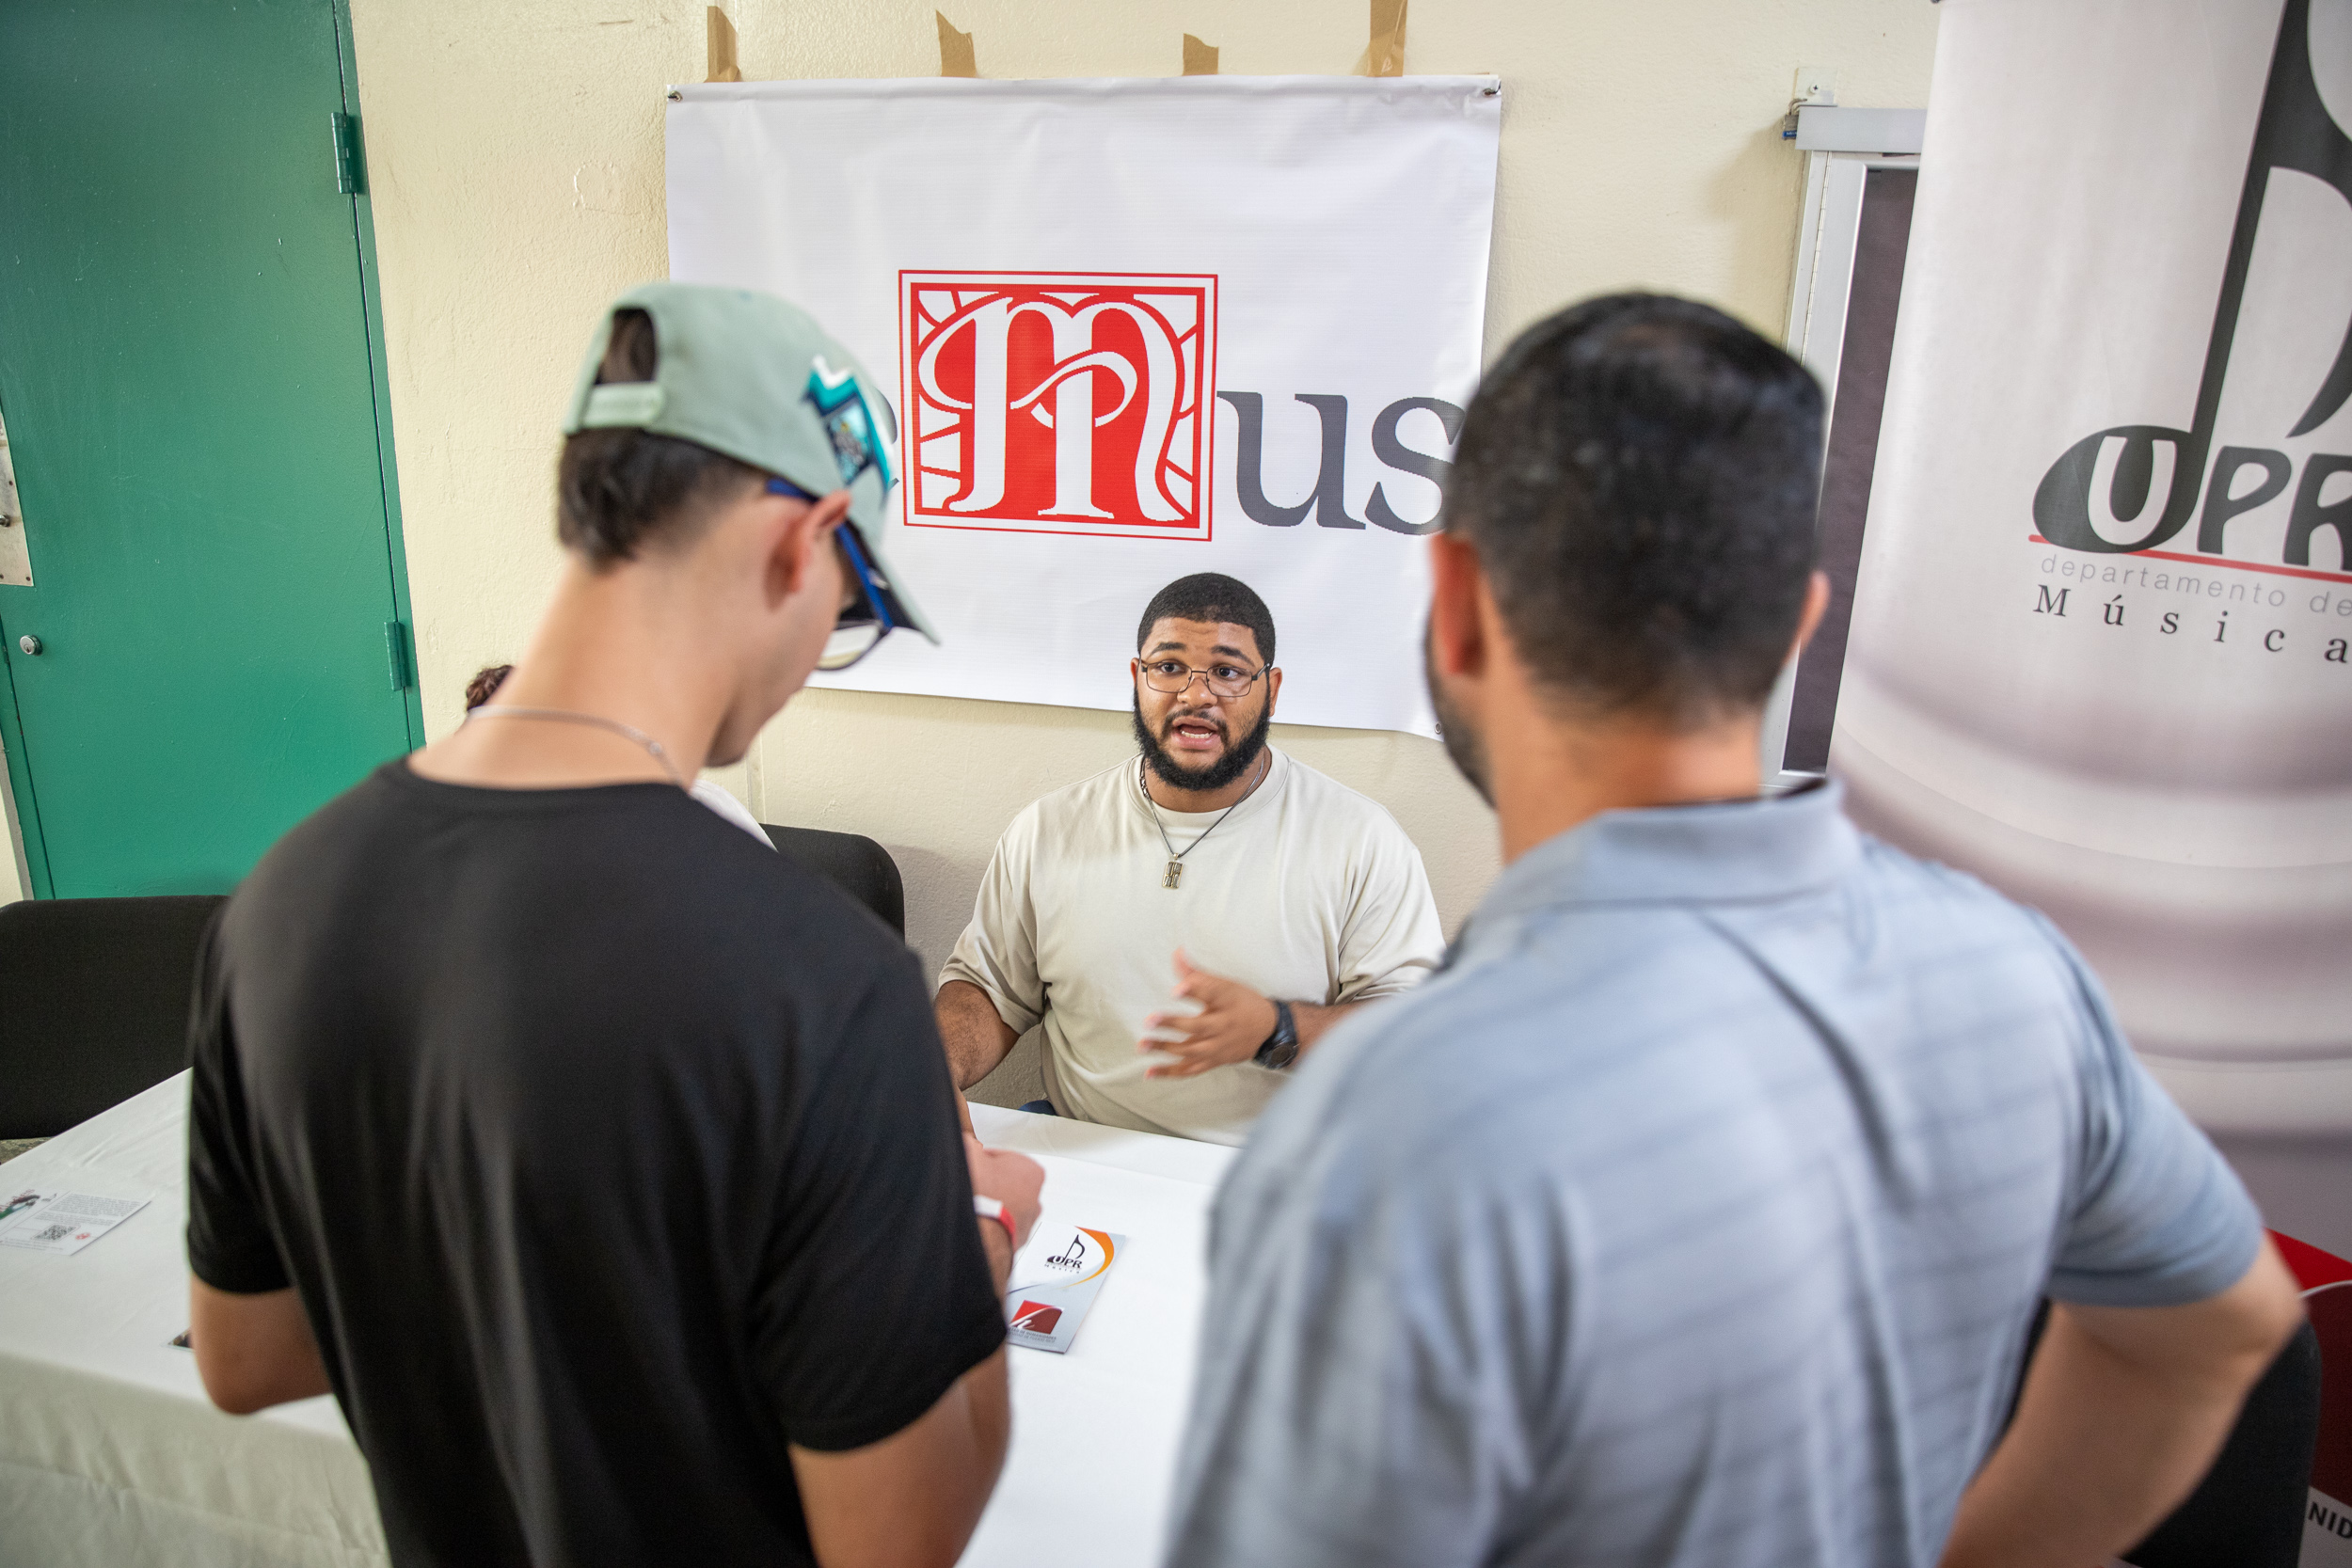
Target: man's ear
793	546
1457	642
1816	604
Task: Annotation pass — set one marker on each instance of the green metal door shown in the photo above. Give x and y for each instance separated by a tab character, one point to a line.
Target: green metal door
191	385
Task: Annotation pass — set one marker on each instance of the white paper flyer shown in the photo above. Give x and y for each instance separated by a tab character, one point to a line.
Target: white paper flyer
49	1220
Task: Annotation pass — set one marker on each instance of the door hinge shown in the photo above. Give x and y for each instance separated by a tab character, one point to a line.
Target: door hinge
396	654
345	131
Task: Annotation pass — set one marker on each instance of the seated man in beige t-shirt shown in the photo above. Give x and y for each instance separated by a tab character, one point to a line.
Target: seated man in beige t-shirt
1186	923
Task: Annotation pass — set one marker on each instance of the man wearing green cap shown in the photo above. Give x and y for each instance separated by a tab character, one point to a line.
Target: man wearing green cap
603	1164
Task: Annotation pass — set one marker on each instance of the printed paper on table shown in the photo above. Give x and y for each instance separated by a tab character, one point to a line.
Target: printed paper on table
1056	1278
44	1219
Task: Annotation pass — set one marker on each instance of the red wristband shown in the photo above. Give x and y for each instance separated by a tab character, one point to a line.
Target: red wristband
994	1208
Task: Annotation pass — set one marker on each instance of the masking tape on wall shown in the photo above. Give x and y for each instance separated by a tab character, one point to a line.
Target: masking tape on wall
956	56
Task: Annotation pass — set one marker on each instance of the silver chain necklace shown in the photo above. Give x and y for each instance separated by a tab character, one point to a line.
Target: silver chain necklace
1175	873
566	716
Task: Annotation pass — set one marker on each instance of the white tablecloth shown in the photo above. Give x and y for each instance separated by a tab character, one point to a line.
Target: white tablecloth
110	1455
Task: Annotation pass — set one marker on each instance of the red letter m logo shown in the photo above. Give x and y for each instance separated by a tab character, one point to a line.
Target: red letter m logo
1057	402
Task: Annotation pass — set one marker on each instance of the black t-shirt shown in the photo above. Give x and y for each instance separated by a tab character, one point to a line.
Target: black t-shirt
610	1151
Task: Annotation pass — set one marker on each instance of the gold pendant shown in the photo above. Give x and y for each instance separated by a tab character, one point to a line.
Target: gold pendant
1175	873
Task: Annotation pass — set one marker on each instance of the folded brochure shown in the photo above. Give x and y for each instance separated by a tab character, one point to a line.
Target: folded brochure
47	1220
1056	1278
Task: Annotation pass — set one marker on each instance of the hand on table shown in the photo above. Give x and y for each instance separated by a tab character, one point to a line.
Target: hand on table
1012	1180
1233	1022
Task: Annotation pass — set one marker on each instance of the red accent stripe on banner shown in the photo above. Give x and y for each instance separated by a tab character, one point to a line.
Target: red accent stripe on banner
2311	1266
2326	1281
2219	560
2330	1309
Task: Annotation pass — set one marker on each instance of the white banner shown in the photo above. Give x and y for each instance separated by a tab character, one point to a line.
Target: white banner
2101	644
1133	330
2102	649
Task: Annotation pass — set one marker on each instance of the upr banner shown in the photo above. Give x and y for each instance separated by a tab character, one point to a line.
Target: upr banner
1131	330
2102	645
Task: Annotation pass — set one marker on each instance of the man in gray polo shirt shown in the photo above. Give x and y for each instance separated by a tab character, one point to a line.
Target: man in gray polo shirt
1697	1212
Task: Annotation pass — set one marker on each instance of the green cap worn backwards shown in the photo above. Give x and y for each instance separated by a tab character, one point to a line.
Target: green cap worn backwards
756	378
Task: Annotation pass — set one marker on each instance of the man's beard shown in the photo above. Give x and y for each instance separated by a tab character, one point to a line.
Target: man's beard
1463	743
1238	758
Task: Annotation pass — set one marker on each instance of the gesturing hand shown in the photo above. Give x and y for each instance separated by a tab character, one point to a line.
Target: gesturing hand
1233	1022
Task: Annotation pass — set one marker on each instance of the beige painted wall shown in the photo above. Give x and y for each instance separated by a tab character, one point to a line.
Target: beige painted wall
11	848
514	158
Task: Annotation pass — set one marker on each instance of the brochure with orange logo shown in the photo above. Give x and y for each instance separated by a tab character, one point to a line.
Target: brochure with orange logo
1054	1279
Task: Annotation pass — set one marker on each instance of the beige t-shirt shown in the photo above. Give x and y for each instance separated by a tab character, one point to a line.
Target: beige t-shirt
1307	892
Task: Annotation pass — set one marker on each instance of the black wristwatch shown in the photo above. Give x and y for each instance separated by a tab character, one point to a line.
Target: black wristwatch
1282	1047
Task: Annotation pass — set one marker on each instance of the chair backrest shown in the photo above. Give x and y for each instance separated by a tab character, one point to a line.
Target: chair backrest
94	997
856	864
2247	1513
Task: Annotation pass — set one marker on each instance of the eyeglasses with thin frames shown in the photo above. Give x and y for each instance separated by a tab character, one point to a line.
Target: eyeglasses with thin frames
1173	677
864	618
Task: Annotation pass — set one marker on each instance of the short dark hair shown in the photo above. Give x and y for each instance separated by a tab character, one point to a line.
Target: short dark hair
617	490
1210	596
485	684
1640	476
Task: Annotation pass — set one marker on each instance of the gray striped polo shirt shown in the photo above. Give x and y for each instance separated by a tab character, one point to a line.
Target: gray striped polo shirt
1693	1215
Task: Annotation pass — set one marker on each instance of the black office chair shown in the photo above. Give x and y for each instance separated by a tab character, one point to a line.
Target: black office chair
2247	1513
93	1004
855	863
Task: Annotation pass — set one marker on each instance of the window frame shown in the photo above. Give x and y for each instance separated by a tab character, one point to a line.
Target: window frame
1821	286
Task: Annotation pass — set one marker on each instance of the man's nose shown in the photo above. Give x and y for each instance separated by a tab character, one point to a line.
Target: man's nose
1209	708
